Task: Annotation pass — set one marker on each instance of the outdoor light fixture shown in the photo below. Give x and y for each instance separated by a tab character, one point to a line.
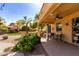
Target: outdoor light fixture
59	17
67	24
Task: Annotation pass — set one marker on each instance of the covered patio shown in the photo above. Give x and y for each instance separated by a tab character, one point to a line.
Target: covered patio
61	17
59	48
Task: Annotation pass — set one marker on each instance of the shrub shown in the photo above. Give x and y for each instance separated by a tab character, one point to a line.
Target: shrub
27	42
1	31
23	28
35	39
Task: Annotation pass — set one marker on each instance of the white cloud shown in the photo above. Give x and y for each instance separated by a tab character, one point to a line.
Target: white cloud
41	1
26	1
38	4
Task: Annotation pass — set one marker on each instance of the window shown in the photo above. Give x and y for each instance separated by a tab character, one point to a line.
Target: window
58	27
76	24
49	28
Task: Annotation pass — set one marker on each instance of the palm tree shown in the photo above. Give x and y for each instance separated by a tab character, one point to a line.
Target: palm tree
20	23
33	25
40	26
27	23
23	23
36	17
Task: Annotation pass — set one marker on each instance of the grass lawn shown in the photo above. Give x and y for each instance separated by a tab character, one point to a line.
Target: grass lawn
13	34
16	34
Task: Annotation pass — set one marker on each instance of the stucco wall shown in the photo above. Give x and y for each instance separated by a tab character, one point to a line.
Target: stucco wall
66	29
53	30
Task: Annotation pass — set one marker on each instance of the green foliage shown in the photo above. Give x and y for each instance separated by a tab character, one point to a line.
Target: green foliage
13	34
36	17
33	25
34	38
23	24
27	42
24	28
3	26
41	26
20	23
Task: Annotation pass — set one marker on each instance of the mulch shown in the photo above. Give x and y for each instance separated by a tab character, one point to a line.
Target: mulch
38	51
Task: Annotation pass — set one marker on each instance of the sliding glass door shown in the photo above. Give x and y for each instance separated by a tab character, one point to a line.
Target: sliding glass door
75	28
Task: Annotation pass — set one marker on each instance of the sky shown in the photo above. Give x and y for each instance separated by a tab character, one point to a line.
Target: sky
15	11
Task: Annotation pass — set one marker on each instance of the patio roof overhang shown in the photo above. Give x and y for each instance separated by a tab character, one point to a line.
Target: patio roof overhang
63	10
47	17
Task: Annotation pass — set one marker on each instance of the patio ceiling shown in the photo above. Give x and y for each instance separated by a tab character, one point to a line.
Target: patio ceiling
66	9
63	10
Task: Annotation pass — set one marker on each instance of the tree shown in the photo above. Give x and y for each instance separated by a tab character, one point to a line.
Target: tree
41	26
24	28
12	24
33	24
3	27
27	23
20	23
36	17
23	23
13	27
1	22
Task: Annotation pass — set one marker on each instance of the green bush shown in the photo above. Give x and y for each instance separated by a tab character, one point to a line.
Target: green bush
35	39
27	42
23	28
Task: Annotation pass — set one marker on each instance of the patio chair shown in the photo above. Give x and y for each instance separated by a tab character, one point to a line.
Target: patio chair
56	36
52	35
61	36
75	39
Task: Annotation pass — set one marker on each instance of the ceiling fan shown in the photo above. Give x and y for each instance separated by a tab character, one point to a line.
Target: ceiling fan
58	16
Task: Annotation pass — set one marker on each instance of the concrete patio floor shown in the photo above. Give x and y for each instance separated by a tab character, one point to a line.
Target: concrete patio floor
59	48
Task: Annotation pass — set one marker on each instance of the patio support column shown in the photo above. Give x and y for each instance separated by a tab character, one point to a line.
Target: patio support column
48	31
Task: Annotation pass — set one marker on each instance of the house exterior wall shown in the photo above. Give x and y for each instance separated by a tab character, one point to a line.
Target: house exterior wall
53	28
71	12
66	29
